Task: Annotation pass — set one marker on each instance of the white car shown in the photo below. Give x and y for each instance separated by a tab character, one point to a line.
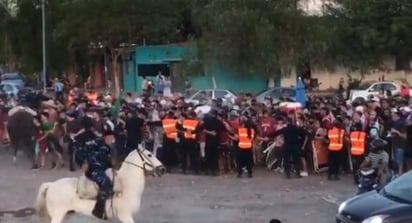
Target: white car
202	96
364	91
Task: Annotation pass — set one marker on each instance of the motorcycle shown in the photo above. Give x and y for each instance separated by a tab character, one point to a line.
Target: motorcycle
368	180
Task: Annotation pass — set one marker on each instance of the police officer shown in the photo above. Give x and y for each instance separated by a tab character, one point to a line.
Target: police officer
74	125
95	158
291	152
244	156
189	146
169	141
336	137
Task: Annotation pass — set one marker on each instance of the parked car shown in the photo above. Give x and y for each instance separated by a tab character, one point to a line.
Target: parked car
367	89
201	96
10	88
276	94
13	79
391	204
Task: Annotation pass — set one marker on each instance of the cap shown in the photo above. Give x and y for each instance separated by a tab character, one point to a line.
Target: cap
234	113
72	113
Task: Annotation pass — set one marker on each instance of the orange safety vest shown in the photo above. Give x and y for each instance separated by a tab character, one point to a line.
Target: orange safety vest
169	127
336	139
244	141
92	97
357	139
190	125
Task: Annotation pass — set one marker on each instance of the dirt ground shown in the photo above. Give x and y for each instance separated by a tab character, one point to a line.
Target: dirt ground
176	198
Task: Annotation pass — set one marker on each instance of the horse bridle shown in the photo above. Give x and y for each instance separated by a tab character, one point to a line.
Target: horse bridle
145	163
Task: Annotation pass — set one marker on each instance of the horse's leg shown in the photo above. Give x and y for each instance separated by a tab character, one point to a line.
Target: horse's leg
15	151
57	217
125	218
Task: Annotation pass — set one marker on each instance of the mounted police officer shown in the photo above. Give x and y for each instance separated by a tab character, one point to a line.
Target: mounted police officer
95	158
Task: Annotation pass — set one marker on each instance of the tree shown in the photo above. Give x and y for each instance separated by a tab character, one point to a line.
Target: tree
261	37
367	31
119	25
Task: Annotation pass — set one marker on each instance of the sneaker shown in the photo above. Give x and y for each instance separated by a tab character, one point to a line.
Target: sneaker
304	174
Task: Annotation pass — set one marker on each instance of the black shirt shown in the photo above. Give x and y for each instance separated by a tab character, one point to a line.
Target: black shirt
134	127
356	126
409	136
74	126
292	135
213	124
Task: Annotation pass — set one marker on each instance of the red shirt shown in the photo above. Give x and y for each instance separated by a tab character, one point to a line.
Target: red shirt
267	126
223	137
43	142
234	124
327	123
405	92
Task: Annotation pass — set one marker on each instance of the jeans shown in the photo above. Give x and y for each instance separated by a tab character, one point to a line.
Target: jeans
399	156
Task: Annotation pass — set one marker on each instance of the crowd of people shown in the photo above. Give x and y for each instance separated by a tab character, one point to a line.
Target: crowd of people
222	137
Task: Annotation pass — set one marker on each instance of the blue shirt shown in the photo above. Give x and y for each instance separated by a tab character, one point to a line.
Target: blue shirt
58	86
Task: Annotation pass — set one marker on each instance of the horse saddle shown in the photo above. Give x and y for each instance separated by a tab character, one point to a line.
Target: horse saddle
21	108
88	190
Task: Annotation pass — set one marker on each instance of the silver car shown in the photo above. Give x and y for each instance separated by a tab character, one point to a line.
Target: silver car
11	89
203	96
276	93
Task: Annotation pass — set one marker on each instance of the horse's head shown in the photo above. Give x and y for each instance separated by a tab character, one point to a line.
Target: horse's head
145	160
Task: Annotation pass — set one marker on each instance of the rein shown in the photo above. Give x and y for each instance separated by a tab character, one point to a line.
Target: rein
143	167
145	171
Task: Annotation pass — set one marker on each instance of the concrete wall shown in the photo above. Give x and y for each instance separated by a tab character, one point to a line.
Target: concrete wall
330	79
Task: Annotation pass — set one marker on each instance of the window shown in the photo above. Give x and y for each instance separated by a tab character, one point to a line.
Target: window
220	94
286	92
376	87
7	88
201	95
389	87
275	93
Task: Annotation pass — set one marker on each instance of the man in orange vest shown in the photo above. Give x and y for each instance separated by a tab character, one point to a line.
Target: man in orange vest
188	130
357	151
169	142
244	156
336	137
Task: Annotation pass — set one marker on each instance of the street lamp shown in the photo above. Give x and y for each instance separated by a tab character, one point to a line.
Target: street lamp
43	20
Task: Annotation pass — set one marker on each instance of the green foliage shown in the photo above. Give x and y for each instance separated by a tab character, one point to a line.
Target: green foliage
249	36
369	30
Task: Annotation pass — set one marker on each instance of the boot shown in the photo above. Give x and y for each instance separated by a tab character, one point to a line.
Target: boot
99	209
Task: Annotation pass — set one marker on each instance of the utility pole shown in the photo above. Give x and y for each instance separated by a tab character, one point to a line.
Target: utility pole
43	20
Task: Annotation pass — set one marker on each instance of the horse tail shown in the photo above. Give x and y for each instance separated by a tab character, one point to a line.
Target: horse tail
41	205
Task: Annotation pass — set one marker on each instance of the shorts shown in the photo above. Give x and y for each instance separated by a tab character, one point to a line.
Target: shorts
399	156
224	150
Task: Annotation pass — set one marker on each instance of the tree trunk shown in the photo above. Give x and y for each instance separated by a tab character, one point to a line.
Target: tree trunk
116	78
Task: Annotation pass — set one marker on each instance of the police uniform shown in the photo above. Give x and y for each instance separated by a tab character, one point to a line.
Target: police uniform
336	137
189	146
98	157
169	141
244	156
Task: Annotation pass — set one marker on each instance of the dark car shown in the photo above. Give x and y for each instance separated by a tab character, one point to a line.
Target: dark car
391	204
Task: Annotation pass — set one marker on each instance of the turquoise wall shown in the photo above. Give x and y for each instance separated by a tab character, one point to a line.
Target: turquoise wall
165	54
158	54
130	81
226	79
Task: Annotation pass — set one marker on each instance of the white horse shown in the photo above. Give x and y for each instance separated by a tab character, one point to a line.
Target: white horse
56	199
